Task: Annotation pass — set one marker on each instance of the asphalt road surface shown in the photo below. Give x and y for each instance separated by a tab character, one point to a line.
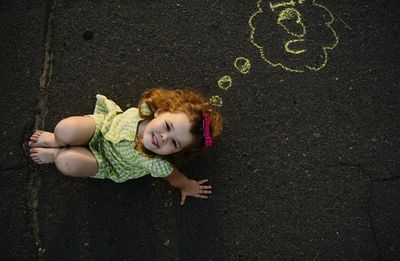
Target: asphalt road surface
308	164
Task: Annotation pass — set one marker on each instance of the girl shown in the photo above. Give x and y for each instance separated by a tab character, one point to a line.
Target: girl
168	126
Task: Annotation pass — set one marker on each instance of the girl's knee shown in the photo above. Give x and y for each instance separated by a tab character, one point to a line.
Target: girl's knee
75	131
76	162
64	164
64	131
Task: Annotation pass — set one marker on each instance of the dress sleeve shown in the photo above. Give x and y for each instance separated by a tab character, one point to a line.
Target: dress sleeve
105	106
158	167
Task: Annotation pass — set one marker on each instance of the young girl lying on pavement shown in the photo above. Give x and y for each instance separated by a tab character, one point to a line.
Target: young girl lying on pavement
168	126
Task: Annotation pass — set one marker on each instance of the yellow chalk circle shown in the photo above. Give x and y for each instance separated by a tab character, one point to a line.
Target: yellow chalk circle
242	65
215	101
225	82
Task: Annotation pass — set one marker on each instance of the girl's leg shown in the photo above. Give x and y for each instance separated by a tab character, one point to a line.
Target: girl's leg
76	162
72	161
72	131
75	131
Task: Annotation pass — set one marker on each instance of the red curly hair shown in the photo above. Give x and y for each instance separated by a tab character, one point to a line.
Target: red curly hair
193	105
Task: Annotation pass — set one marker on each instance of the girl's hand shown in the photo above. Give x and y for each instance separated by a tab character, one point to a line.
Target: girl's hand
195	189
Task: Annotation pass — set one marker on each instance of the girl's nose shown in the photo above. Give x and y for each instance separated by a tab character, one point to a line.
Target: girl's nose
164	137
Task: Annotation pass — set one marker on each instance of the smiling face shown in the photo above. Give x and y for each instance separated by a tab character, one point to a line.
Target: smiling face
167	133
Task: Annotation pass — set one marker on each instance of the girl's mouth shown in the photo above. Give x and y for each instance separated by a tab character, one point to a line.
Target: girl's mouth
154	140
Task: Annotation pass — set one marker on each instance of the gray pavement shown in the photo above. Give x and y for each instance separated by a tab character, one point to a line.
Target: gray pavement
307	167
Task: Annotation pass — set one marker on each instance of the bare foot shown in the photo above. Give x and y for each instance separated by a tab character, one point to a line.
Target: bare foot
43	139
44	155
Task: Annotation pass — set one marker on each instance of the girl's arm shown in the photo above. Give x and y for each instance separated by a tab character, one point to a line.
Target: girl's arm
187	186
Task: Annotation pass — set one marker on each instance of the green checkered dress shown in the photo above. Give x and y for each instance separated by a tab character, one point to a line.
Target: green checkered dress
113	145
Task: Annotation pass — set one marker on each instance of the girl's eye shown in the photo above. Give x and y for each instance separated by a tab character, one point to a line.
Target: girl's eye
167	126
174	142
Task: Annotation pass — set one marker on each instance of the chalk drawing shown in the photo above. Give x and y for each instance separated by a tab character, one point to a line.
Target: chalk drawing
215	101
290	14
242	65
225	82
294	35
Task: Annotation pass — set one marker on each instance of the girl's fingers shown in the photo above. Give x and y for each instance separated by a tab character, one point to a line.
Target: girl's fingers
205	187
202	181
205	192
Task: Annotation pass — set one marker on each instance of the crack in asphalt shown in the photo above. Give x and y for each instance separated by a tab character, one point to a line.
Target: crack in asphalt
372	224
364	171
18	167
386	179
41	106
369	209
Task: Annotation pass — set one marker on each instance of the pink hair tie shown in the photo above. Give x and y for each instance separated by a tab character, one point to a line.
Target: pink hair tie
208	141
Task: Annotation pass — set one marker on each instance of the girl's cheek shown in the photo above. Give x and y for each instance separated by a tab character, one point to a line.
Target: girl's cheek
172	149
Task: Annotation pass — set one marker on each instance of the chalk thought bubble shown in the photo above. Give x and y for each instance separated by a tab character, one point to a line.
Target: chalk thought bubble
215	101
242	64
294	35
225	82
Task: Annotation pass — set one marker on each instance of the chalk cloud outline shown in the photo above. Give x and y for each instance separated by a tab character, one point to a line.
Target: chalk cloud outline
296	45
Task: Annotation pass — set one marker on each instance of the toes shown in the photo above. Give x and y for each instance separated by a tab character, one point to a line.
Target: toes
37	160
37	133
43	139
43	155
35	136
34	155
